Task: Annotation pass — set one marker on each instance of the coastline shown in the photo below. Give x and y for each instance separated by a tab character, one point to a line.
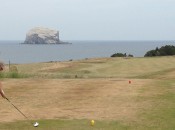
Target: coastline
72	50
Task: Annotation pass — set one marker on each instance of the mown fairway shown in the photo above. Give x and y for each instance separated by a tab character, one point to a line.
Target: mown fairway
67	95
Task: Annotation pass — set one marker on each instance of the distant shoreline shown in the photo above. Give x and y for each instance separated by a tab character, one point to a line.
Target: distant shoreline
30	53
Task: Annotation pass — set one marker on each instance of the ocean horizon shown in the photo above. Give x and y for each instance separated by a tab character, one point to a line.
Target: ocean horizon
14	52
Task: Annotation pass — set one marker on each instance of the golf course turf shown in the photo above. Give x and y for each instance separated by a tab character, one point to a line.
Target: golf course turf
68	95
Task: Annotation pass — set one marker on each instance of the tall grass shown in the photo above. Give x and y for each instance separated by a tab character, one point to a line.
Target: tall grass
14	75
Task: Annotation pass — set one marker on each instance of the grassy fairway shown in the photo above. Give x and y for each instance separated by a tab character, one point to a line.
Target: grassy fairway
67	95
100	68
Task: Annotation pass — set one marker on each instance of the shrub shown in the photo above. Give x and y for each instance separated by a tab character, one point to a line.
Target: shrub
121	55
118	55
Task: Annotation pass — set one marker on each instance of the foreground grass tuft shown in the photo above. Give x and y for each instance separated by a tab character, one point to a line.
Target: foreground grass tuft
14	75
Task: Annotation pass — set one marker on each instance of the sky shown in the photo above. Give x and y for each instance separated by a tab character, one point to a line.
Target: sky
90	19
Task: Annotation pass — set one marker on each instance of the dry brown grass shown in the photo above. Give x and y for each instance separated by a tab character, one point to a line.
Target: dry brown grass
102	68
102	91
72	99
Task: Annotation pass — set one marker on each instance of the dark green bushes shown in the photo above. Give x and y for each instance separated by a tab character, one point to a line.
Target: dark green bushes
163	51
121	55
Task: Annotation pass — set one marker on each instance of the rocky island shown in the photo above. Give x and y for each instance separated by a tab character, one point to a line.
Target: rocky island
41	35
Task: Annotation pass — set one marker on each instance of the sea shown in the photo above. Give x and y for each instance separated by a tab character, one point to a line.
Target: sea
17	53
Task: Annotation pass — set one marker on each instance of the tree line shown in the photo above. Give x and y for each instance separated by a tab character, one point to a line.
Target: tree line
166	50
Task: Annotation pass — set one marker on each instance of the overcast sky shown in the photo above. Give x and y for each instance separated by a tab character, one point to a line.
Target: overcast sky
90	19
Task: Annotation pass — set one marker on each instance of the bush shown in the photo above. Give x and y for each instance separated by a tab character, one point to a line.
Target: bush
118	55
121	55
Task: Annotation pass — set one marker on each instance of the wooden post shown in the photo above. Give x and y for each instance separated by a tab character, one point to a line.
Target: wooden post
9	65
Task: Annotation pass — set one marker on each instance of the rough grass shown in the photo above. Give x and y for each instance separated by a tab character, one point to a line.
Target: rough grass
101	68
67	95
14	75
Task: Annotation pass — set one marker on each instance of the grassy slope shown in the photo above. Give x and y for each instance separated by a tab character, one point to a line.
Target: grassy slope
101	68
154	102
